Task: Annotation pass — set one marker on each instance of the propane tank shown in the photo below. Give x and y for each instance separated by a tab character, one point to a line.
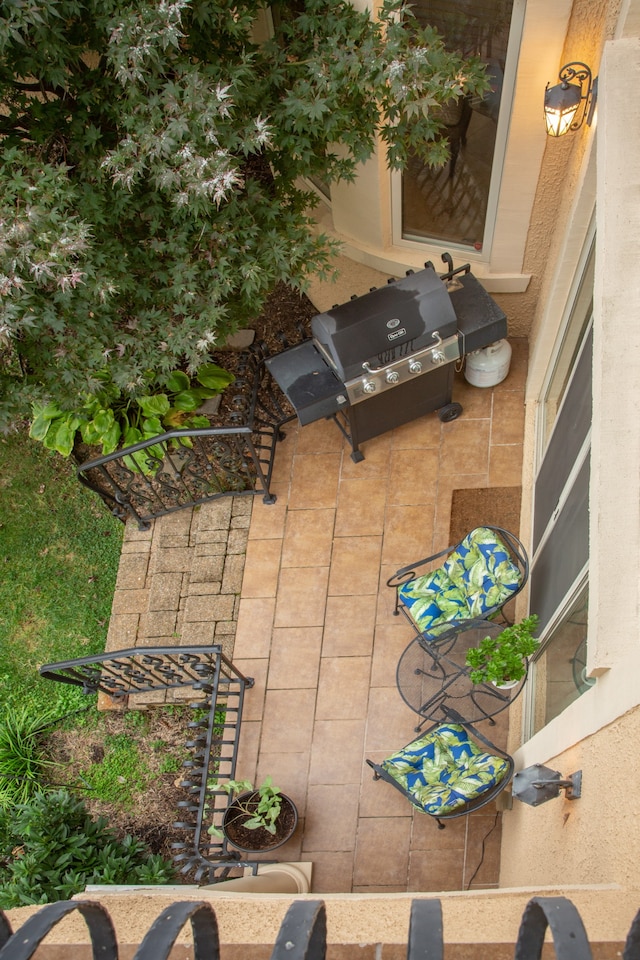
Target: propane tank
486	367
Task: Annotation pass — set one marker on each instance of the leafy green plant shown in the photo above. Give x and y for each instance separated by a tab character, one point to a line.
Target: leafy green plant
263	814
52	848
22	753
501	659
111	418
152	192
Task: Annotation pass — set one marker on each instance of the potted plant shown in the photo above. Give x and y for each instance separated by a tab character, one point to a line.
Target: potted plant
258	818
502	659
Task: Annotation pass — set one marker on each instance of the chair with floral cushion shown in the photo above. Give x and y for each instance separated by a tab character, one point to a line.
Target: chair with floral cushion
449	771
480	575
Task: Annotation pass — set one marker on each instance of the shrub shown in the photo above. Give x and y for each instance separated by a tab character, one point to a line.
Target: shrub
22	759
53	848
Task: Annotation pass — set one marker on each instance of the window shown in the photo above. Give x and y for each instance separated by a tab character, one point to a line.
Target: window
560	537
559	671
451	203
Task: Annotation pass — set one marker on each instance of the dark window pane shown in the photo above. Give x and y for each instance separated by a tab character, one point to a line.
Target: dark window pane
450	203
565	553
571	428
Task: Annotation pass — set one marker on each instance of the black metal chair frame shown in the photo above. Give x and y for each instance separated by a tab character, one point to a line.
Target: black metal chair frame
405	574
379	773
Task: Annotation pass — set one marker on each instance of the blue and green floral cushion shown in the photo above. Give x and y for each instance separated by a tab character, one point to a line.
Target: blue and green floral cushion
477	577
443	770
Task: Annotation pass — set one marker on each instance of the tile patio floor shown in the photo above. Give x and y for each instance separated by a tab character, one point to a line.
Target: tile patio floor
315	628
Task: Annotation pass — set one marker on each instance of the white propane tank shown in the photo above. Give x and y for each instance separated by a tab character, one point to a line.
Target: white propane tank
486	367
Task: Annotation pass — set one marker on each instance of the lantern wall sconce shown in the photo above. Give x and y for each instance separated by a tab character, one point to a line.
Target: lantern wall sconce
572	101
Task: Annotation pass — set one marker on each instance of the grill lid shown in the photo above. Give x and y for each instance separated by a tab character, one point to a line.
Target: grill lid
385	324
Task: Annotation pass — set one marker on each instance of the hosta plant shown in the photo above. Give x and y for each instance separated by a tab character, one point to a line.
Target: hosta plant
502	659
111	419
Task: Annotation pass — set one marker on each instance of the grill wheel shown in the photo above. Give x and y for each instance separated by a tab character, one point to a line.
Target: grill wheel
451	411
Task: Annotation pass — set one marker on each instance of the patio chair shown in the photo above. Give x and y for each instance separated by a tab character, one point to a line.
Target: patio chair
445	773
480	575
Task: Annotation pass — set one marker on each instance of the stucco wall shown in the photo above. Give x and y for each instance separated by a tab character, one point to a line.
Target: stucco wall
595	839
368	927
592	23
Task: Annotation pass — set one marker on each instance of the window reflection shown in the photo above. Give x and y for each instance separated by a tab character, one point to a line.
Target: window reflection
559	672
450	203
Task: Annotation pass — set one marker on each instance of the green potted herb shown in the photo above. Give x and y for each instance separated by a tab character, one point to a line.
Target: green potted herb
502	659
258	818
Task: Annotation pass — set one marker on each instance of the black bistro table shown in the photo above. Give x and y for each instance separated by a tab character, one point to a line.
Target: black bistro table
432	676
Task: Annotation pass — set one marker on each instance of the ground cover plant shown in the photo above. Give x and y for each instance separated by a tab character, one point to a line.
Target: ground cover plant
126	766
51	848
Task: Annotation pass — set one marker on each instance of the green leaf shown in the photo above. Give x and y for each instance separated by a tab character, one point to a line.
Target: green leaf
155	406
131	436
65	436
178	381
214	377
39	427
111	438
103	422
151	427
187	400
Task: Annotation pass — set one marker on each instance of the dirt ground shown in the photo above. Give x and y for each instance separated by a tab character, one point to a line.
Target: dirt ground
148	814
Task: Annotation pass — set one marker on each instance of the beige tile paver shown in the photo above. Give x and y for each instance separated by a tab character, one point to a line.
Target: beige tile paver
315	627
295	657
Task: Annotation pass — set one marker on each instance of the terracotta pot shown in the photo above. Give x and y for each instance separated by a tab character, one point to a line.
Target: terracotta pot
253	840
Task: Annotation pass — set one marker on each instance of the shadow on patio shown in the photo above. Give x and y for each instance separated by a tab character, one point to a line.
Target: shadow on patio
316	630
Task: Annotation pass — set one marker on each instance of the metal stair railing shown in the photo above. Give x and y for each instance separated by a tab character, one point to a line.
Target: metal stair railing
212	735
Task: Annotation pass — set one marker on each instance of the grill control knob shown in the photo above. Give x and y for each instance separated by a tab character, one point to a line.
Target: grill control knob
415	366
392	376
438	357
368	386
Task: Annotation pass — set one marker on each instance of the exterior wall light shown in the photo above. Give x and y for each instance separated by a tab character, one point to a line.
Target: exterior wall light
572	101
537	784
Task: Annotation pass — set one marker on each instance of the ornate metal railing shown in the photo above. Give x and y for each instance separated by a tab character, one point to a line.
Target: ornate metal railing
144	669
183	468
213	734
303	932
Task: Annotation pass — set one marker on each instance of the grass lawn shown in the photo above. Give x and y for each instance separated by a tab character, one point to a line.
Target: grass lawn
59	550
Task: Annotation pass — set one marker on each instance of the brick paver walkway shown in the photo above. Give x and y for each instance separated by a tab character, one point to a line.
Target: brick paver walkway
179	582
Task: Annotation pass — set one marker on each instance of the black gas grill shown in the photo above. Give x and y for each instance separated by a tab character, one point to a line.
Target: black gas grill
388	357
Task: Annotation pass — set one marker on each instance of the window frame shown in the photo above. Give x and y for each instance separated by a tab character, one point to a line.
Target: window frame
501	145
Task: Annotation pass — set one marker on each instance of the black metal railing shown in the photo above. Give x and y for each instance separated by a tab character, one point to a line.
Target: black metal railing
303	932
183	468
213	735
146	669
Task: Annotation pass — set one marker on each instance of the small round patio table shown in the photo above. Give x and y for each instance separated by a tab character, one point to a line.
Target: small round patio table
433	678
